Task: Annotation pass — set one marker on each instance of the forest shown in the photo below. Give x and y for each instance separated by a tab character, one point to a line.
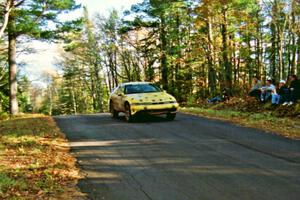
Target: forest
193	49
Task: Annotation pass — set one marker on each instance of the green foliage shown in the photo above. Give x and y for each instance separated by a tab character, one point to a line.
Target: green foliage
33	17
4	102
191	100
193	49
4	89
6	182
24	94
36	19
4	116
82	87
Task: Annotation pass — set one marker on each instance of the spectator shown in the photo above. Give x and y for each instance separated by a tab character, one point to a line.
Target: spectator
214	99
267	91
256	88
224	97
294	90
282	93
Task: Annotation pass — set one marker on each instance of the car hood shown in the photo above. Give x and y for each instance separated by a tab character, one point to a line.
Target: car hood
150	97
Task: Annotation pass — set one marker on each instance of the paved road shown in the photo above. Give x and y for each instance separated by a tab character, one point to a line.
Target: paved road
189	158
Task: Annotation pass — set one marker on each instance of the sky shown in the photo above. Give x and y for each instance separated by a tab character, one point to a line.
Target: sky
47	54
103	6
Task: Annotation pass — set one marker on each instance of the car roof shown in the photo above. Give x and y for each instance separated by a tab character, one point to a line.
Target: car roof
135	83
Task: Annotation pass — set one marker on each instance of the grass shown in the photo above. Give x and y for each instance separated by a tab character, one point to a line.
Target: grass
35	162
6	182
287	127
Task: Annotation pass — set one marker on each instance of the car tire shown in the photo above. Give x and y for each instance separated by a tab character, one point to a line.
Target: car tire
171	116
128	116
113	112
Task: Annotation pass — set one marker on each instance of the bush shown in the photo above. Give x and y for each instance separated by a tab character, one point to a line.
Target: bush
191	100
4	116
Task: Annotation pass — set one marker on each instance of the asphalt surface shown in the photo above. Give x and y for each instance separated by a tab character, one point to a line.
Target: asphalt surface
189	158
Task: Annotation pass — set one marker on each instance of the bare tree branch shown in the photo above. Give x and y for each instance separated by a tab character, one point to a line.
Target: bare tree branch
8	8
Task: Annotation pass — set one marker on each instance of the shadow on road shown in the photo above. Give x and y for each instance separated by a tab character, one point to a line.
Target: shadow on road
145	118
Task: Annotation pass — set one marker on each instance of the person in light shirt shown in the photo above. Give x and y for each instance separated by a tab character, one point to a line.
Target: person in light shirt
267	91
256	88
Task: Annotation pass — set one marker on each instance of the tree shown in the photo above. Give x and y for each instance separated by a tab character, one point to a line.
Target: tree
31	18
194	49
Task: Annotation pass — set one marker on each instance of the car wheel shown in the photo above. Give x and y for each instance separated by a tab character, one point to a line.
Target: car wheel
128	116
113	112
171	116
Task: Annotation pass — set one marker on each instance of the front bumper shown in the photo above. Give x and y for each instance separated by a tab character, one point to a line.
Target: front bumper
155	109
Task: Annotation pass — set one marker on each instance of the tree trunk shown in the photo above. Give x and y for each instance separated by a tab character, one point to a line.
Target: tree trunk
50	100
93	93
259	42
298	56
249	64
112	70
164	67
273	52
294	46
280	54
235	63
13	87
126	63
115	64
225	50
74	101
210	59
109	80
98	86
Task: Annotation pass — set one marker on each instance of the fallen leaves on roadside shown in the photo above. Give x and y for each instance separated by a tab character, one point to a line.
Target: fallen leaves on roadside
35	161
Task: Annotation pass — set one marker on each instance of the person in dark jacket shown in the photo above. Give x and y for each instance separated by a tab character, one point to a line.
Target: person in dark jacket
294	89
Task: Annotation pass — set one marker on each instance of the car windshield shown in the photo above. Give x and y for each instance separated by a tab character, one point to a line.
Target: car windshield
141	88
